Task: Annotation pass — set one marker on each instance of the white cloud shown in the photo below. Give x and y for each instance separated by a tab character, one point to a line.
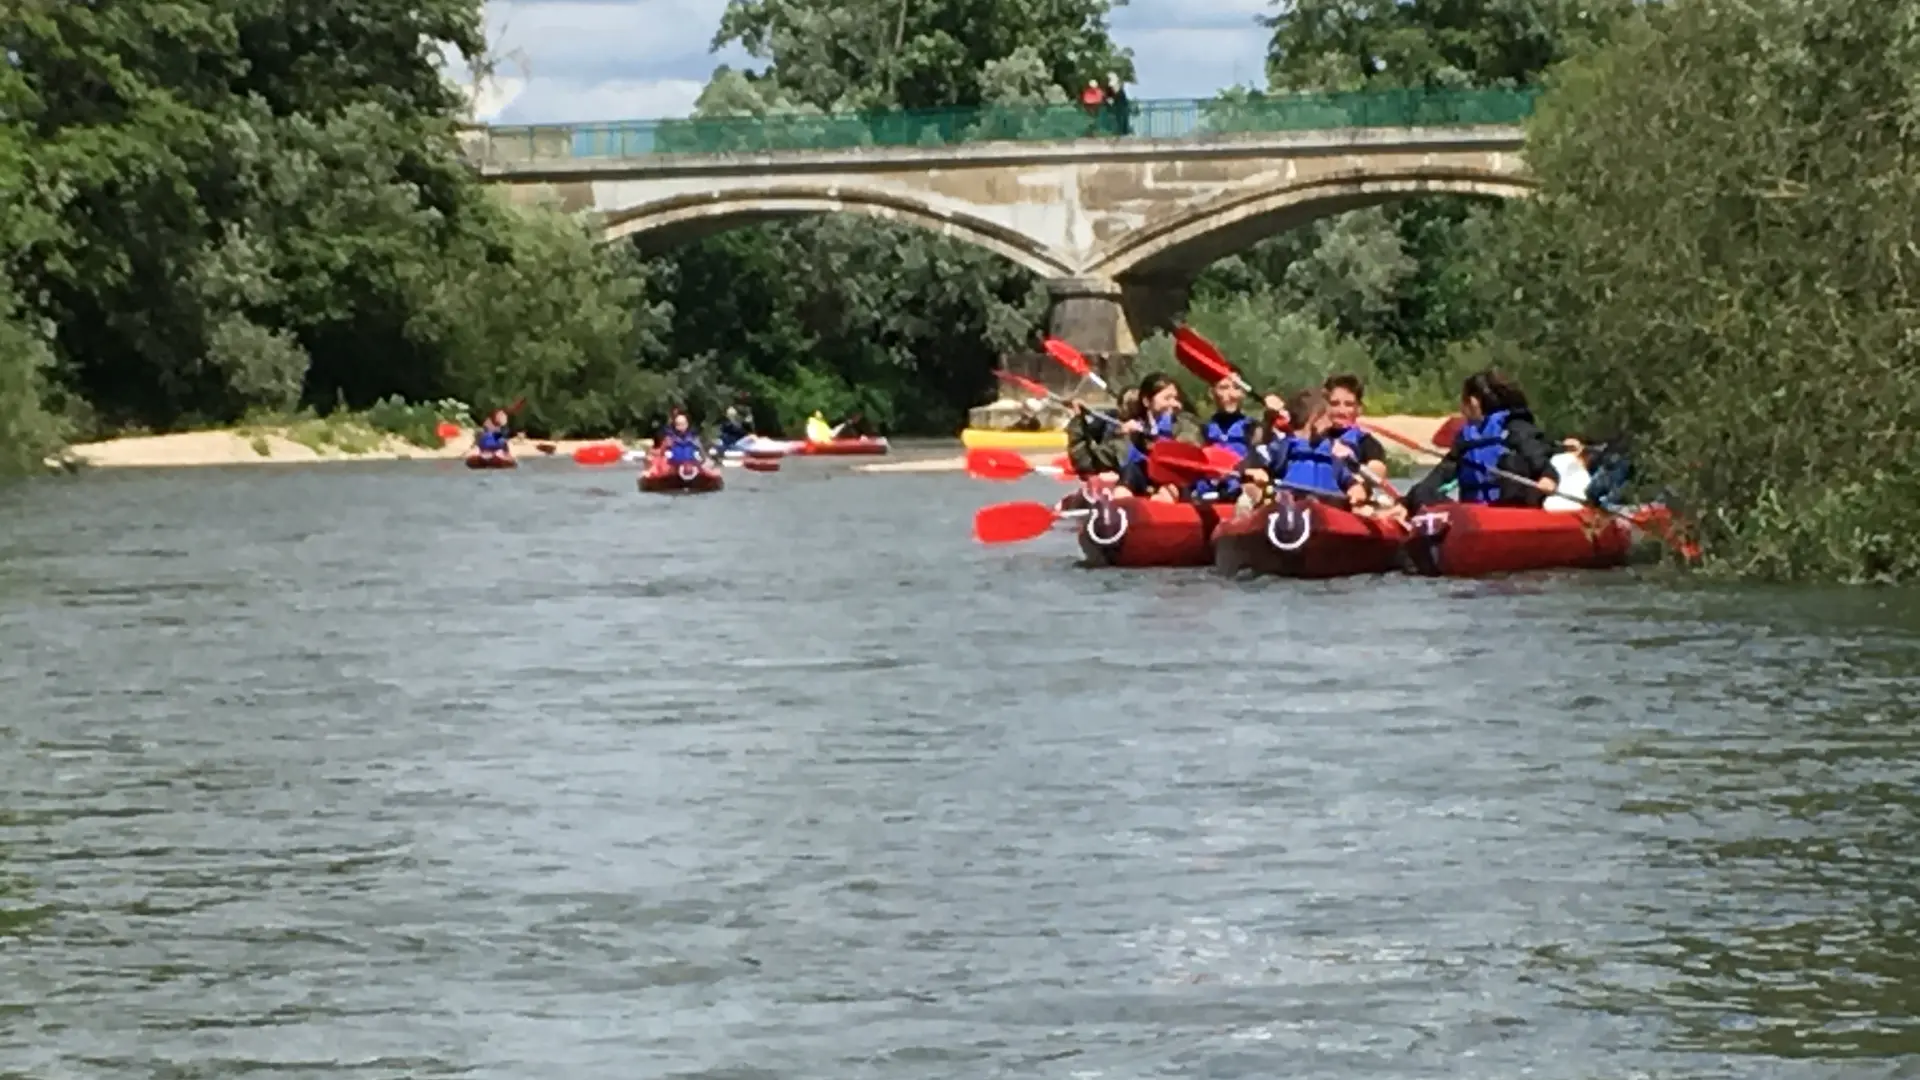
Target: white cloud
597	60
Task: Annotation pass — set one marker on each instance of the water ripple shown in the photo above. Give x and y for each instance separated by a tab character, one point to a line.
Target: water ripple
303	773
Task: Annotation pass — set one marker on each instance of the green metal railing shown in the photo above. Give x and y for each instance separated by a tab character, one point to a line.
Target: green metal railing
1183	119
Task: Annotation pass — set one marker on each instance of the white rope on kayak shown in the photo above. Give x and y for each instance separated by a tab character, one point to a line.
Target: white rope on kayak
1093	528
1306	530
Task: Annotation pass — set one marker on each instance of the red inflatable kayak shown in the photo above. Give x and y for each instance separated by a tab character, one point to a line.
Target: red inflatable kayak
491	461
1306	538
686	478
1470	540
1136	532
865	444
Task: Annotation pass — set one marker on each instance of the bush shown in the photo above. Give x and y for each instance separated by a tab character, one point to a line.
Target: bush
1722	260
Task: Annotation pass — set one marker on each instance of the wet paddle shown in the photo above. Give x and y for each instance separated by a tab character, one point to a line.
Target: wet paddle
988	464
1014	523
1199	356
1034	389
1071	359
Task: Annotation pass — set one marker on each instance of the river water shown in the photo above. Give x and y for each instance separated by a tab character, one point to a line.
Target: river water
400	771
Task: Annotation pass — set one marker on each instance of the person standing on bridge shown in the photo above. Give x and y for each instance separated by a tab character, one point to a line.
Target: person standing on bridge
1117	103
1094	100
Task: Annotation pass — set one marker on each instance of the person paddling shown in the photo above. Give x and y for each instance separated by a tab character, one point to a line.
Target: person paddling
1308	460
494	440
1571	478
1157	415
1498	432
818	430
1096	445
733	431
681	443
1231	428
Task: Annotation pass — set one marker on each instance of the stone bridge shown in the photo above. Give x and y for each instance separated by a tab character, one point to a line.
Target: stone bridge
1117	227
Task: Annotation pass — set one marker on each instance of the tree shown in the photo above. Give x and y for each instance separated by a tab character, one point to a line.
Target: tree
1721	261
254	204
919	54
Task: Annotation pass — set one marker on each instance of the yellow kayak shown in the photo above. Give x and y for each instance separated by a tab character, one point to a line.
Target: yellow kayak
986	439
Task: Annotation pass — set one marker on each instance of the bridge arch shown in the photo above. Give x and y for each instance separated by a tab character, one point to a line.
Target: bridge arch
684	218
1179	248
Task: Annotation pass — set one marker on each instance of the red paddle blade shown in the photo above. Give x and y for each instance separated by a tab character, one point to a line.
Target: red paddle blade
1222	457
990	464
1068	356
447	429
1012	523
1170	462
1198	355
1449	431
597	454
1064	463
1023	384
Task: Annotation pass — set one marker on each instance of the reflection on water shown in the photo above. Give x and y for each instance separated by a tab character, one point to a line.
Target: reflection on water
398	771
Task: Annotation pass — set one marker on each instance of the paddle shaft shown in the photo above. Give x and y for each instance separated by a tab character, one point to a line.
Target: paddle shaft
1512	478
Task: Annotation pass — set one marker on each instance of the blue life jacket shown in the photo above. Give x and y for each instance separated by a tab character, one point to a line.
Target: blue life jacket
1312	465
492	442
1481	445
1234	435
683	448
1161	428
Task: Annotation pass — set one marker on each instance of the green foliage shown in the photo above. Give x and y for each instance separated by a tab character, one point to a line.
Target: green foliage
1721	261
1279	347
1348	44
246	206
28	431
854	55
418	424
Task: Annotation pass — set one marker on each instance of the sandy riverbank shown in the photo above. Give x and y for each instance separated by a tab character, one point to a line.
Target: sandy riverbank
274	448
1420	429
196	448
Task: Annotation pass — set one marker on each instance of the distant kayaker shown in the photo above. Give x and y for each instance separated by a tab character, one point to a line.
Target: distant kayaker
818	430
682	443
493	439
733	431
1499	432
1157	415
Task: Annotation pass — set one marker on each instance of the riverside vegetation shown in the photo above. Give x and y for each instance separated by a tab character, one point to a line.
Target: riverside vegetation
1721	242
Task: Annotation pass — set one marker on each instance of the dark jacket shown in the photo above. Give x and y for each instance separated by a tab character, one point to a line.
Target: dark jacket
1527	453
1095	446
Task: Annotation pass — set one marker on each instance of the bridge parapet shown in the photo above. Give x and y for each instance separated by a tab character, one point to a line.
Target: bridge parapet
1183	119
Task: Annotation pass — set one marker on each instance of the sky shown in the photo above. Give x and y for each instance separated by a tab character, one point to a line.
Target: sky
581	61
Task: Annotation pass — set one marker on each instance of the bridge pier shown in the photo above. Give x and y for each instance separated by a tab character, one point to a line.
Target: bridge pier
1103	317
